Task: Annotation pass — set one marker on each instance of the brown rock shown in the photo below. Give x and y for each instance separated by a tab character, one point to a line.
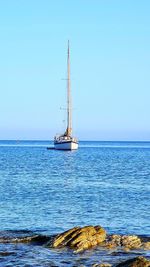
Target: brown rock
102	265
136	262
62	239
114	241
80	238
131	241
127	242
146	245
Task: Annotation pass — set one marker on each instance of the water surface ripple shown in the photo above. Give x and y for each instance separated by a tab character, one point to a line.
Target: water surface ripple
46	191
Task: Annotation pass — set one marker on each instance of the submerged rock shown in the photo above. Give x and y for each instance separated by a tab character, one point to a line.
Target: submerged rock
35	239
136	262
80	238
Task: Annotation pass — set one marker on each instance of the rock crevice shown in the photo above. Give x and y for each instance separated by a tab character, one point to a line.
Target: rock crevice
80	238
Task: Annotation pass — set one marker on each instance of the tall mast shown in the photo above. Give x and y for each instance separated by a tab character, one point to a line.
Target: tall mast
69	108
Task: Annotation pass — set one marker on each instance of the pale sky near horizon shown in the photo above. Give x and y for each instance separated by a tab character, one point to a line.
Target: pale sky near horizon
110	68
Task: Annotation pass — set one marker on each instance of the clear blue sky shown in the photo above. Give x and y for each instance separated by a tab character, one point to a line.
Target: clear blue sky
110	68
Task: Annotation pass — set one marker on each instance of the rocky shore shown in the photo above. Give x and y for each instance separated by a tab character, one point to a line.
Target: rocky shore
89	246
80	239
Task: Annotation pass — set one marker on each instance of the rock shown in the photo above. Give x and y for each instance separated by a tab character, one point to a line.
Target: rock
102	265
62	239
80	238
113	241
146	245
127	242
131	241
136	262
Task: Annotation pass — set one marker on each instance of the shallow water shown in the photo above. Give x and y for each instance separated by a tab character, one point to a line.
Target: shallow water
46	192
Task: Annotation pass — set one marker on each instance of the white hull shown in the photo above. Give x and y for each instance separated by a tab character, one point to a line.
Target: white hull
66	145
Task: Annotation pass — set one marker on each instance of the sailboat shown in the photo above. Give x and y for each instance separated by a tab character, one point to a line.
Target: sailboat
66	141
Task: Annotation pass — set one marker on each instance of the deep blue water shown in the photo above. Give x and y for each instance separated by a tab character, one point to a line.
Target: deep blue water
48	191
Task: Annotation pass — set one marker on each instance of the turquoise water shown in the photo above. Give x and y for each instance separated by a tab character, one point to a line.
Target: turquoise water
46	192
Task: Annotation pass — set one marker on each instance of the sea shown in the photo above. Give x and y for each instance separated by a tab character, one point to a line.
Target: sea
45	192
